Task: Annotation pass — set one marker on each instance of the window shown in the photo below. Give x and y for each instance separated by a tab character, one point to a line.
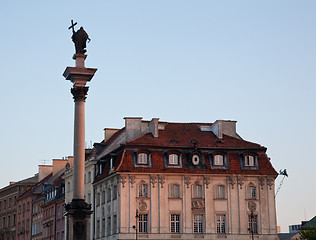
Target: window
198	223
108	231
89	176
98	199
89	198
143	223
218	160
103	227
109	195
197	191
251	192
249	161
114	224
174	191
114	192
175	223
253	224
220	192
103	197
9	221
221	224
10	202
173	159
142	158
98	229
4	204
143	190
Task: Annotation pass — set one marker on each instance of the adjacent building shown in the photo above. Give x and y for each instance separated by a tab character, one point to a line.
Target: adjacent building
163	180
8	206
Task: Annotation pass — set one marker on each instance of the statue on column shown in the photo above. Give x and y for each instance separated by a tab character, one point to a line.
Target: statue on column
79	38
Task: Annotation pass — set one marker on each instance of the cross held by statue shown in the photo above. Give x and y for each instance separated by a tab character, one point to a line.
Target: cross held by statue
72	25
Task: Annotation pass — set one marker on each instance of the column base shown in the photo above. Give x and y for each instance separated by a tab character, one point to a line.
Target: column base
78	214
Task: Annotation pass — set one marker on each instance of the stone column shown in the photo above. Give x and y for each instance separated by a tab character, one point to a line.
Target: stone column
78	211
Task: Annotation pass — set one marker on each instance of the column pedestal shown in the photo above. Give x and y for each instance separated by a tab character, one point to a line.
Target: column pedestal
78	214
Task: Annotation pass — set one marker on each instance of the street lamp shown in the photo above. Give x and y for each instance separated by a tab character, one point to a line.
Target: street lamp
135	226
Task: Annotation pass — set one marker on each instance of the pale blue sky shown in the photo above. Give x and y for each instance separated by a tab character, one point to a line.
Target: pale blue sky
185	61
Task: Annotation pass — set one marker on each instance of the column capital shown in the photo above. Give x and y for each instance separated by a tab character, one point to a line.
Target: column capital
79	93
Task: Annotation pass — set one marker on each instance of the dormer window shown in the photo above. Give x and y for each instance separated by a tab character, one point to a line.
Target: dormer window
142	158
173	159
218	160
249	161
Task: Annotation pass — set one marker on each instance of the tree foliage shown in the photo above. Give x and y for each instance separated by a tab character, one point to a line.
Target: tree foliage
308	233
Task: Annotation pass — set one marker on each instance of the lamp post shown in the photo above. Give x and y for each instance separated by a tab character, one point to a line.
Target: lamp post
135	226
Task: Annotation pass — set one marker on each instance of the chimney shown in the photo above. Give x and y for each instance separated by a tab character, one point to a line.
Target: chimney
109	132
153	127
44	171
220	127
133	127
58	164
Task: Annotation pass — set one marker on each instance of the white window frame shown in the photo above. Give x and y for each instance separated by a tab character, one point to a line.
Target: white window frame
253	223
174	191
198	224
143	190
142	158
173	159
175	223
220	192
219	160
252	192
249	161
197	191
143	223
221	224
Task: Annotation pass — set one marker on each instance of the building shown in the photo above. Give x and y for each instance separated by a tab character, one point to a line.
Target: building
163	180
8	206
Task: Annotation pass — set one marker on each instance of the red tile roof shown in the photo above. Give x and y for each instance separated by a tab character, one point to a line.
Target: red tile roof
180	136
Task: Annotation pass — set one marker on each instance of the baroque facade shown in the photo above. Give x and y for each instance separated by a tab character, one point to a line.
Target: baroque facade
161	180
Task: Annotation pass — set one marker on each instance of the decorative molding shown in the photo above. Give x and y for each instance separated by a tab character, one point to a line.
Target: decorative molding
187	181
132	180
161	180
207	180
231	181
261	182
123	180
270	182
198	204
153	180
79	93
240	182
142	205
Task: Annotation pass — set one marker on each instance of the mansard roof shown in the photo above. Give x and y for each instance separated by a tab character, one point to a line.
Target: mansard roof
183	137
183	134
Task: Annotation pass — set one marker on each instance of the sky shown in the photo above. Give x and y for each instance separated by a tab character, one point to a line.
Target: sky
180	61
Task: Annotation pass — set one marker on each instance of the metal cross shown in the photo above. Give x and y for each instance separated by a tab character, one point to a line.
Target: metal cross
72	25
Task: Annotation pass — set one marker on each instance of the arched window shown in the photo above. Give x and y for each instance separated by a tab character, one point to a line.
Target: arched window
142	158
220	192
173	159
